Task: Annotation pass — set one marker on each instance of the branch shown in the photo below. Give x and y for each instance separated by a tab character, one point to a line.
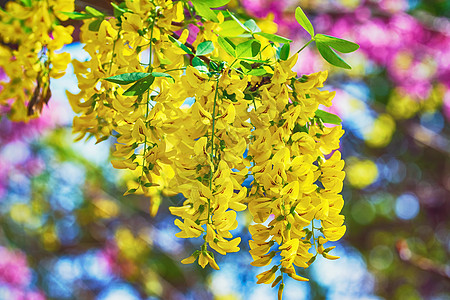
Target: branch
419	261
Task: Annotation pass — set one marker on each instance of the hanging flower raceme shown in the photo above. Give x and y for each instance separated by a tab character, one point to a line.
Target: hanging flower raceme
30	40
223	121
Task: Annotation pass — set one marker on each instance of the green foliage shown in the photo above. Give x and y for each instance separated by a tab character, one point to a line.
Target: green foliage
336	43
127	78
93	12
273	37
327	117
231	29
181	45
248	48
324	42
215	3
228	46
27	3
199	65
160	74
204	48
140	87
78	15
251	26
330	56
283	52
303	20
204	10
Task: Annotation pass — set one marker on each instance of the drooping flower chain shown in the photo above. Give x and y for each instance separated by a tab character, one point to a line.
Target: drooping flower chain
30	36
200	119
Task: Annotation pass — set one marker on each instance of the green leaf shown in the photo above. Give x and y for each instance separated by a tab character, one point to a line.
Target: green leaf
160	74
140	87
251	25
78	15
256	47
284	51
127	78
216	3
330	56
205	48
255	60
120	9
199	65
274	38
130	191
327	117
239	22
303	20
27	3
337	44
181	45
203	10
248	49
95	25
230	28
246	65
226	46
257	72
213	66
94	12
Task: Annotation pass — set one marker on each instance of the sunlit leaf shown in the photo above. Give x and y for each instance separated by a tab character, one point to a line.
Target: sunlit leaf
248	48
203	10
95	25
118	11
215	3
180	44
327	117
303	20
273	37
330	56
239	22
251	25
257	72
92	11
226	46
27	3
199	65
337	43
205	48
78	15
122	10
127	78
230	28
140	87
160	74
284	51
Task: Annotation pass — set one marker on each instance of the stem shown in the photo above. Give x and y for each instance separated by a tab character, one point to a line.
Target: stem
113	51
304	46
149	70
233	62
212	144
314	239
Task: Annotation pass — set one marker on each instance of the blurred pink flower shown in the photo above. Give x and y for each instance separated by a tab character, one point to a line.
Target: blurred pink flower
14	268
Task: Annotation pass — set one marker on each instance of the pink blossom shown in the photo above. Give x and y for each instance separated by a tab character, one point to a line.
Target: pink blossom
14	268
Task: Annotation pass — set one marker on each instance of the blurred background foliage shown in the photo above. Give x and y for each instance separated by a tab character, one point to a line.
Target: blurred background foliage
66	231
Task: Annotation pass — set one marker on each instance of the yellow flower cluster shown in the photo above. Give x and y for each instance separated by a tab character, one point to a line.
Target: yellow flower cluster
30	36
199	120
293	182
